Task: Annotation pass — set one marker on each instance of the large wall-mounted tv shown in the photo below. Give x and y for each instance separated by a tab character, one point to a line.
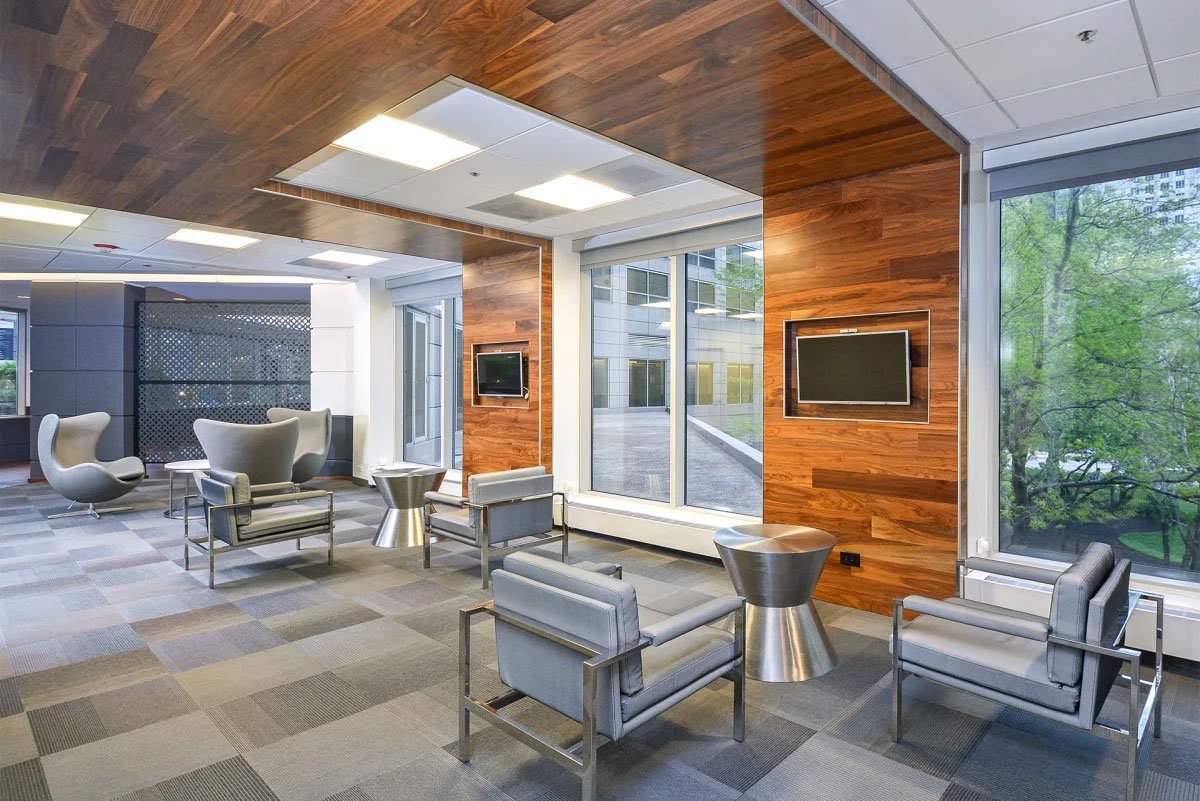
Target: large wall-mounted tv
500	374
869	367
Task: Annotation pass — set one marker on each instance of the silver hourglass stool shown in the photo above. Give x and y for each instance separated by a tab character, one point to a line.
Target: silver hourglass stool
403	490
775	568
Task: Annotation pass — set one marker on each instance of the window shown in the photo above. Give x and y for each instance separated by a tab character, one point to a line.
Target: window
631	429
456	459
602	284
599	383
1100	377
416	363
12	363
643	287
431	402
738	300
1180	184
739	383
701	295
699	384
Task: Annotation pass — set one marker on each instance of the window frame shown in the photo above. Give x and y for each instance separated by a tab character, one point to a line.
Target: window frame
647	296
21	357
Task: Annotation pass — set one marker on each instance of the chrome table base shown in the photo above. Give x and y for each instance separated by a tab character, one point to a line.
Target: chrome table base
403	489
401	528
786	644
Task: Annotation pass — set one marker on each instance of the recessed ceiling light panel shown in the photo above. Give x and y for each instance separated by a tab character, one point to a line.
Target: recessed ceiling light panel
344	257
404	143
216	239
40	214
573	192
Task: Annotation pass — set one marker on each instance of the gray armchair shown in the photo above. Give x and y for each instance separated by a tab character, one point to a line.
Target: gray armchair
67	452
312	448
264	453
500	509
1060	667
240	520
569	637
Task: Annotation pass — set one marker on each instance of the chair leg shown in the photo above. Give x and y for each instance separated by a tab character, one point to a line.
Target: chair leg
739	676
464	686
588	749
897	702
297	539
330	557
564	548
485	572
187	565
212	562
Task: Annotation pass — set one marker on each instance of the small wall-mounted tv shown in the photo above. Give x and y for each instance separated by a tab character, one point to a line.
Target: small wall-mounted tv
869	367
500	374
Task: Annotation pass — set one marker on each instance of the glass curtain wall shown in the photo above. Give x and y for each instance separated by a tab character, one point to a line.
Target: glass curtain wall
631	424
1100	371
720	323
11	362
431	378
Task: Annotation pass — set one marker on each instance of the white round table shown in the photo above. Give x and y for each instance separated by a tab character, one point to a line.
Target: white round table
184	468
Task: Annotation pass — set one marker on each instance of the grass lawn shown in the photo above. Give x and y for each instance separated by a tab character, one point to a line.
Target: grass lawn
1149	543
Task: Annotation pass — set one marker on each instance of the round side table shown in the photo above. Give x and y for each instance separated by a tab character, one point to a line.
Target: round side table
775	568
403	489
185	469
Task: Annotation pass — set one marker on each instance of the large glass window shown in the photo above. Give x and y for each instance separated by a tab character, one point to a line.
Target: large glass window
723	453
431	382
1100	372
11	362
631	428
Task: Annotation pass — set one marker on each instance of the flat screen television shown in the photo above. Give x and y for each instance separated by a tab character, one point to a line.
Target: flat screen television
500	374
871	367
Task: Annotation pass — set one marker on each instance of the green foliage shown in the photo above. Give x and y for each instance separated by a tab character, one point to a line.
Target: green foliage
1100	362
8	382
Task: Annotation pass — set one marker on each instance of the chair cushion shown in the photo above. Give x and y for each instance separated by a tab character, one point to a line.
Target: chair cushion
276	519
1002	662
127	469
456	522
1069	609
672	666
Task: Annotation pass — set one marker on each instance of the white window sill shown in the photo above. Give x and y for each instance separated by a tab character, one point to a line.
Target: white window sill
693	516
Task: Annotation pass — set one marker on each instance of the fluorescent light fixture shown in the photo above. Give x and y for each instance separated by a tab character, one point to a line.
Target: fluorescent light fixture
22	297
169	278
404	143
216	239
40	214
573	192
345	257
754	254
658	304
710	310
746	316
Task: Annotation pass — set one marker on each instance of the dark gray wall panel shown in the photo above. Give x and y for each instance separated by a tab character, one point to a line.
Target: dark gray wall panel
104	391
52	347
53	392
51	303
105	304
104	347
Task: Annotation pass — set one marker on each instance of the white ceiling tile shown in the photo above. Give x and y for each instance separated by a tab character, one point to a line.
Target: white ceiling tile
963	23
271	252
183	251
46	204
893	32
439	194
16	259
123	222
484	218
559	149
501	173
86	237
333	183
1082	97
1172	27
87	262
980	121
366	170
29	233
944	84
475	118
1050	54
1178	74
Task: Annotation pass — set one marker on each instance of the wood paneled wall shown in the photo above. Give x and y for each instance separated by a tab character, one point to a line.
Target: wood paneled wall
886	242
507	299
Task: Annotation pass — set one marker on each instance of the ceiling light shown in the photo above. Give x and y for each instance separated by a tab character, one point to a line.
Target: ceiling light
658	304
344	257
710	310
754	254
41	214
179	298
396	140
573	192
746	316
22	297
197	236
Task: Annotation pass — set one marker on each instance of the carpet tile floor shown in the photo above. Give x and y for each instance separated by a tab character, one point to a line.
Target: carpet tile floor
124	677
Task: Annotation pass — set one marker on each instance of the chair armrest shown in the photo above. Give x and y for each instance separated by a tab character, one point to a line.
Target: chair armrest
1039	575
980	618
443	498
692	619
271	500
605	568
271	489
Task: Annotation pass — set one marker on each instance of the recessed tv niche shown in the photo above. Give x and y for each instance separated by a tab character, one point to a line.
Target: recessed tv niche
854	367
500	374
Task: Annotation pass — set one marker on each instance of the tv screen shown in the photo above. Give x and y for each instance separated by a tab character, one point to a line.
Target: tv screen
871	367
500	374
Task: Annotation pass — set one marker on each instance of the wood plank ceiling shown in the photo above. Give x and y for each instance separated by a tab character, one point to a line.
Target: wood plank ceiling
179	108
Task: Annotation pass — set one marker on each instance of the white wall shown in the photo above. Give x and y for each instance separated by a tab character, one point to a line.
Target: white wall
374	377
333	347
569	409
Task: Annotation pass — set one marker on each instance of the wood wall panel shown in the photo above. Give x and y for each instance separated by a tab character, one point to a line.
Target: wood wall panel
886	242
505	299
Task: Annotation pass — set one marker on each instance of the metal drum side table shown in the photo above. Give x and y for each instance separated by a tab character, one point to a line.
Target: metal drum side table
775	568
404	491
185	469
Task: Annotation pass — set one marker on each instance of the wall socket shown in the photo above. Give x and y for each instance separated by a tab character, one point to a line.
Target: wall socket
850	559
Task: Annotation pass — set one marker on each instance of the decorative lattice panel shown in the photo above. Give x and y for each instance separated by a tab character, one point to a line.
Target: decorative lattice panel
223	361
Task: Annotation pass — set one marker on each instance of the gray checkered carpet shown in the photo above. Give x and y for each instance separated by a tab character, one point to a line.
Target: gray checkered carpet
124	677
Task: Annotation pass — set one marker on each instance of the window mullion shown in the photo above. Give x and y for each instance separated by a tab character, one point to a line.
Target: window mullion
678	381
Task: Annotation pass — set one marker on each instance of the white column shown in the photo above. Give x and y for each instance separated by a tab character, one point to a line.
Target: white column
333	347
374	367
571	370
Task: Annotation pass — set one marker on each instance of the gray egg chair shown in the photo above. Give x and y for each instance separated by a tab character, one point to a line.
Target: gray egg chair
316	431
67	451
263	452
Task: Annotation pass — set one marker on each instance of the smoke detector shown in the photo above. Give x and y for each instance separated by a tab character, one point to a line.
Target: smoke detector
1087	36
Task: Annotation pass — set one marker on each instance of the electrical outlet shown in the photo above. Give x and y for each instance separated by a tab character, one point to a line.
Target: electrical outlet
850	559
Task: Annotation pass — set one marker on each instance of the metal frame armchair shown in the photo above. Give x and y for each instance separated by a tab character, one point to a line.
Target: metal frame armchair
1060	667
242	520
264	452
499	508
67	452
569	638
